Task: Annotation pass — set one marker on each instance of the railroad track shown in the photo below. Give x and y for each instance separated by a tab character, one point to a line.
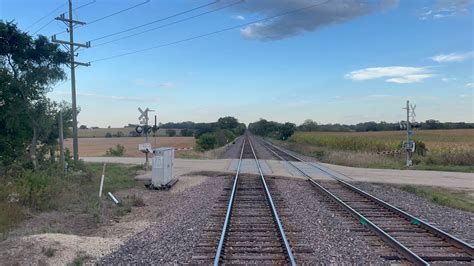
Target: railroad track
251	231
413	239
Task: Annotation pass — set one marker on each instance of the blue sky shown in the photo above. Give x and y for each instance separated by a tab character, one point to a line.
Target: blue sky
339	61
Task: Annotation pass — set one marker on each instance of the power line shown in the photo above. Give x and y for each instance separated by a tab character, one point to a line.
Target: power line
118	12
169	24
155	21
44	26
86	4
104	17
211	33
45	16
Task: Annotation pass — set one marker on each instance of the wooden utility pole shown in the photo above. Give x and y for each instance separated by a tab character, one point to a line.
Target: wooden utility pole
72	48
61	142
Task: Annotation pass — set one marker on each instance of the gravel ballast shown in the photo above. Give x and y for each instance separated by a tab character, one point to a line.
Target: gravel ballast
327	231
456	222
180	218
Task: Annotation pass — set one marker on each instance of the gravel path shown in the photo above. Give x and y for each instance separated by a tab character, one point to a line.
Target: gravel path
453	221
180	218
329	233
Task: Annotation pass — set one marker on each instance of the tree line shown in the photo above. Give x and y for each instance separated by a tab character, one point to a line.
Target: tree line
272	129
29	67
310	125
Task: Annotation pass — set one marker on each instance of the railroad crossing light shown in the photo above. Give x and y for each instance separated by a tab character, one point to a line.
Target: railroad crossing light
403	125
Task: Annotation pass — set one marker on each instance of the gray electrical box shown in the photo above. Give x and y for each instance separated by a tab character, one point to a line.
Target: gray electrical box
162	167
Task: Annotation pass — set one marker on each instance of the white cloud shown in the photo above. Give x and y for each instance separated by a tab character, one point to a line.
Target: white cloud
392	74
238	17
446	8
452	57
448	79
308	15
154	85
470	85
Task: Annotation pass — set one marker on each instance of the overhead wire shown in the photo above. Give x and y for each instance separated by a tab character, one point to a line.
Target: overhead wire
106	16
116	13
45	16
169	24
155	21
211	33
44	26
84	5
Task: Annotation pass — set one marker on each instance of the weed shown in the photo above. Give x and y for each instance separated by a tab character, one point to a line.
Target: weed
137	201
48	252
80	259
118	151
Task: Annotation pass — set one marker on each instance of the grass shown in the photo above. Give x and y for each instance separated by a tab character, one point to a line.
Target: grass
455	199
76	194
447	150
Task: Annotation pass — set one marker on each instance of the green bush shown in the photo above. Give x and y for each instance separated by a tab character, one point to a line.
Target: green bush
224	136
171	132
118	151
36	189
108	135
206	142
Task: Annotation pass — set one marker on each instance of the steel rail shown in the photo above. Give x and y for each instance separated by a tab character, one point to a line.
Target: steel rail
410	255
229	210
276	218
469	249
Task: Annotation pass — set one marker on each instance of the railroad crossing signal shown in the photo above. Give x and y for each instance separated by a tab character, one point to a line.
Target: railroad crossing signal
409	145
143	118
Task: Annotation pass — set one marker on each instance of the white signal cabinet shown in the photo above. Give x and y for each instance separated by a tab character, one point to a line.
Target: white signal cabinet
162	167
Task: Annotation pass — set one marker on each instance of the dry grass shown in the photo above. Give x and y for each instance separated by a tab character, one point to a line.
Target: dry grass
372	141
100	132
448	150
91	147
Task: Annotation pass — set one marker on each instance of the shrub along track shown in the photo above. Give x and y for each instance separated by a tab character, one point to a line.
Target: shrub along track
411	238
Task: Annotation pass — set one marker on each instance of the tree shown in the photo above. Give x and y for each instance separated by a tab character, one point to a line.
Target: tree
29	67
206	142
286	130
171	132
83	127
227	122
187	132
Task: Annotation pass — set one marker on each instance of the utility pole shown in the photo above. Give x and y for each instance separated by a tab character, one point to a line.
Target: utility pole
72	48
61	141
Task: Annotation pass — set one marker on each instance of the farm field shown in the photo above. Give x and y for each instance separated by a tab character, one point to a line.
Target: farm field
101	132
449	150
91	147
387	140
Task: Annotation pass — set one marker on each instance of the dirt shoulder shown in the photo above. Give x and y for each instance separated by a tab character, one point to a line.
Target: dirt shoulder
89	245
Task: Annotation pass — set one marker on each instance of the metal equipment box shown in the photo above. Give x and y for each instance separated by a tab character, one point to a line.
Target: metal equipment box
162	167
